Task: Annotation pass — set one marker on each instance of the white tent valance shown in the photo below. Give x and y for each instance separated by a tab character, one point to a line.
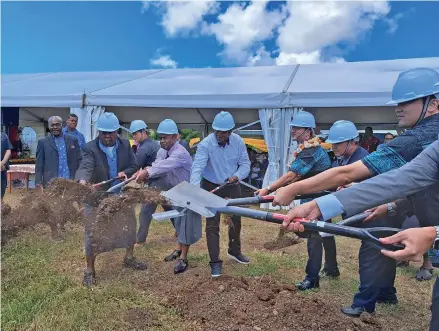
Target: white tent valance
352	84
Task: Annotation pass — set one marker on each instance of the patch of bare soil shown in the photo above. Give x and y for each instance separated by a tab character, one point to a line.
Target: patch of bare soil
139	318
231	303
283	240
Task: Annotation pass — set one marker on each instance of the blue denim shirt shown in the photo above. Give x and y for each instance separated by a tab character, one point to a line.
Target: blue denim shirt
63	166
78	135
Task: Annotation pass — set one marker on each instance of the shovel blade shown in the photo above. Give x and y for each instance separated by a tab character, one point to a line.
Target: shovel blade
194	198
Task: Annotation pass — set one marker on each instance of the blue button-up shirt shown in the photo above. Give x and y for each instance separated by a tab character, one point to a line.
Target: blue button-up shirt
78	135
111	154
63	166
216	163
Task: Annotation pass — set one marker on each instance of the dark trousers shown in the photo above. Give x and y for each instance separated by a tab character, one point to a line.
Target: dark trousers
315	254
4	184
434	323
213	224
377	272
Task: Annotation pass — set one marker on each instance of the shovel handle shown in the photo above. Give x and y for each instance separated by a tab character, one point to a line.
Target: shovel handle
354	220
319	226
109	181
115	187
222	186
269	198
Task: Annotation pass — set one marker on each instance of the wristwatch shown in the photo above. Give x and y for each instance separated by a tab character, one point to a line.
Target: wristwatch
436	240
390	211
269	189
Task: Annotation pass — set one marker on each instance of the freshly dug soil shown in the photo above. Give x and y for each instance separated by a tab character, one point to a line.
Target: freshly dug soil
114	203
230	303
284	239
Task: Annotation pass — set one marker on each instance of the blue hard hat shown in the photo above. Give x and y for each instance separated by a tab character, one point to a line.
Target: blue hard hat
304	119
137	125
223	122
342	131
414	84
167	126
107	122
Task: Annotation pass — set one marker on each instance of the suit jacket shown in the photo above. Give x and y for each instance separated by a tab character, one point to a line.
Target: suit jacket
415	176
46	166
185	144
94	167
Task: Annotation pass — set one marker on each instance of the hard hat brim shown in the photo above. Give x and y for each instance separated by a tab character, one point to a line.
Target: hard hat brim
433	91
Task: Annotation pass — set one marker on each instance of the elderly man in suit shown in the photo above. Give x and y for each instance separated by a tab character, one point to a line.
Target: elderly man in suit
108	157
58	155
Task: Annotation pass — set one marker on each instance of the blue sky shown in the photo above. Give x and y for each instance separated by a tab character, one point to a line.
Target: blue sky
98	36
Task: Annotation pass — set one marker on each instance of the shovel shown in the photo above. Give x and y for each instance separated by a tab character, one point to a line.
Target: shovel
125	182
355	220
269	198
208	205
109	181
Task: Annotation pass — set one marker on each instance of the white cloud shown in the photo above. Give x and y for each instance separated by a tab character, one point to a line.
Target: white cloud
242	27
164	61
303	31
182	17
393	22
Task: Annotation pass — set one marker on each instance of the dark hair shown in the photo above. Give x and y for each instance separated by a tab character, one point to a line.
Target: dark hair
179	131
391	134
368	127
73	115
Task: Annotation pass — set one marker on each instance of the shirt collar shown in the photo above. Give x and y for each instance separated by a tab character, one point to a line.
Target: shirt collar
215	142
57	138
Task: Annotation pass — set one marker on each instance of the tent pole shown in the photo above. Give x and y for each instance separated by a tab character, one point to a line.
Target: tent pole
282	143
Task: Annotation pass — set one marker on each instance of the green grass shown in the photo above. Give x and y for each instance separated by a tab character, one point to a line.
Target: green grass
42	290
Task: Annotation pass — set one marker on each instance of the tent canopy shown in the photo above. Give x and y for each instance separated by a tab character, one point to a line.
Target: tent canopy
355	84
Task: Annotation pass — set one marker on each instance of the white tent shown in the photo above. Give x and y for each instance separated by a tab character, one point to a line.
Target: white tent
356	91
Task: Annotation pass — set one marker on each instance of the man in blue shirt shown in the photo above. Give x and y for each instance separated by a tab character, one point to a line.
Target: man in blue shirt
70	128
222	157
344	138
309	160
417	108
6	154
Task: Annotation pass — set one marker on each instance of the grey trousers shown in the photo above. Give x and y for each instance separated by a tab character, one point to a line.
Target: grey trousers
145	218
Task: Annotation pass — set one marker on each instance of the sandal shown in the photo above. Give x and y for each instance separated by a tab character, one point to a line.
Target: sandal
181	266
134	264
173	256
89	279
424	274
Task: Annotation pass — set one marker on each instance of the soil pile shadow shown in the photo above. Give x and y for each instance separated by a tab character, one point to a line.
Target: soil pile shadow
231	303
283	240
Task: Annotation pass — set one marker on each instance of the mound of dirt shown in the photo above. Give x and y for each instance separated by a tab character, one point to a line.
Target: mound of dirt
114	203
283	241
231	303
68	190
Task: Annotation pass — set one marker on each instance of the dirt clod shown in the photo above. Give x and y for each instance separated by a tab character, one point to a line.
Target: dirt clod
244	307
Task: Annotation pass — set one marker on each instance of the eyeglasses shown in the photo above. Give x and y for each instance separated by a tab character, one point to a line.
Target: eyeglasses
55	125
107	133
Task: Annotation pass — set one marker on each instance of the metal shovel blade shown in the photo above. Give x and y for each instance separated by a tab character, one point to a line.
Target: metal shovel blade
194	198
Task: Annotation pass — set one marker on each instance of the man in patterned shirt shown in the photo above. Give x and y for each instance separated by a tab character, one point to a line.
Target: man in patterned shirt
417	108
309	162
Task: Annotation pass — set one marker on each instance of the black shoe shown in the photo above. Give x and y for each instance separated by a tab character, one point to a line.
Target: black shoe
89	279
388	301
330	274
216	269
352	311
306	284
180	266
173	256
133	264
240	258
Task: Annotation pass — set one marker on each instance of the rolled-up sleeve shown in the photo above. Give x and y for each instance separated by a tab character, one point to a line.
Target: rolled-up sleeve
243	162
200	162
